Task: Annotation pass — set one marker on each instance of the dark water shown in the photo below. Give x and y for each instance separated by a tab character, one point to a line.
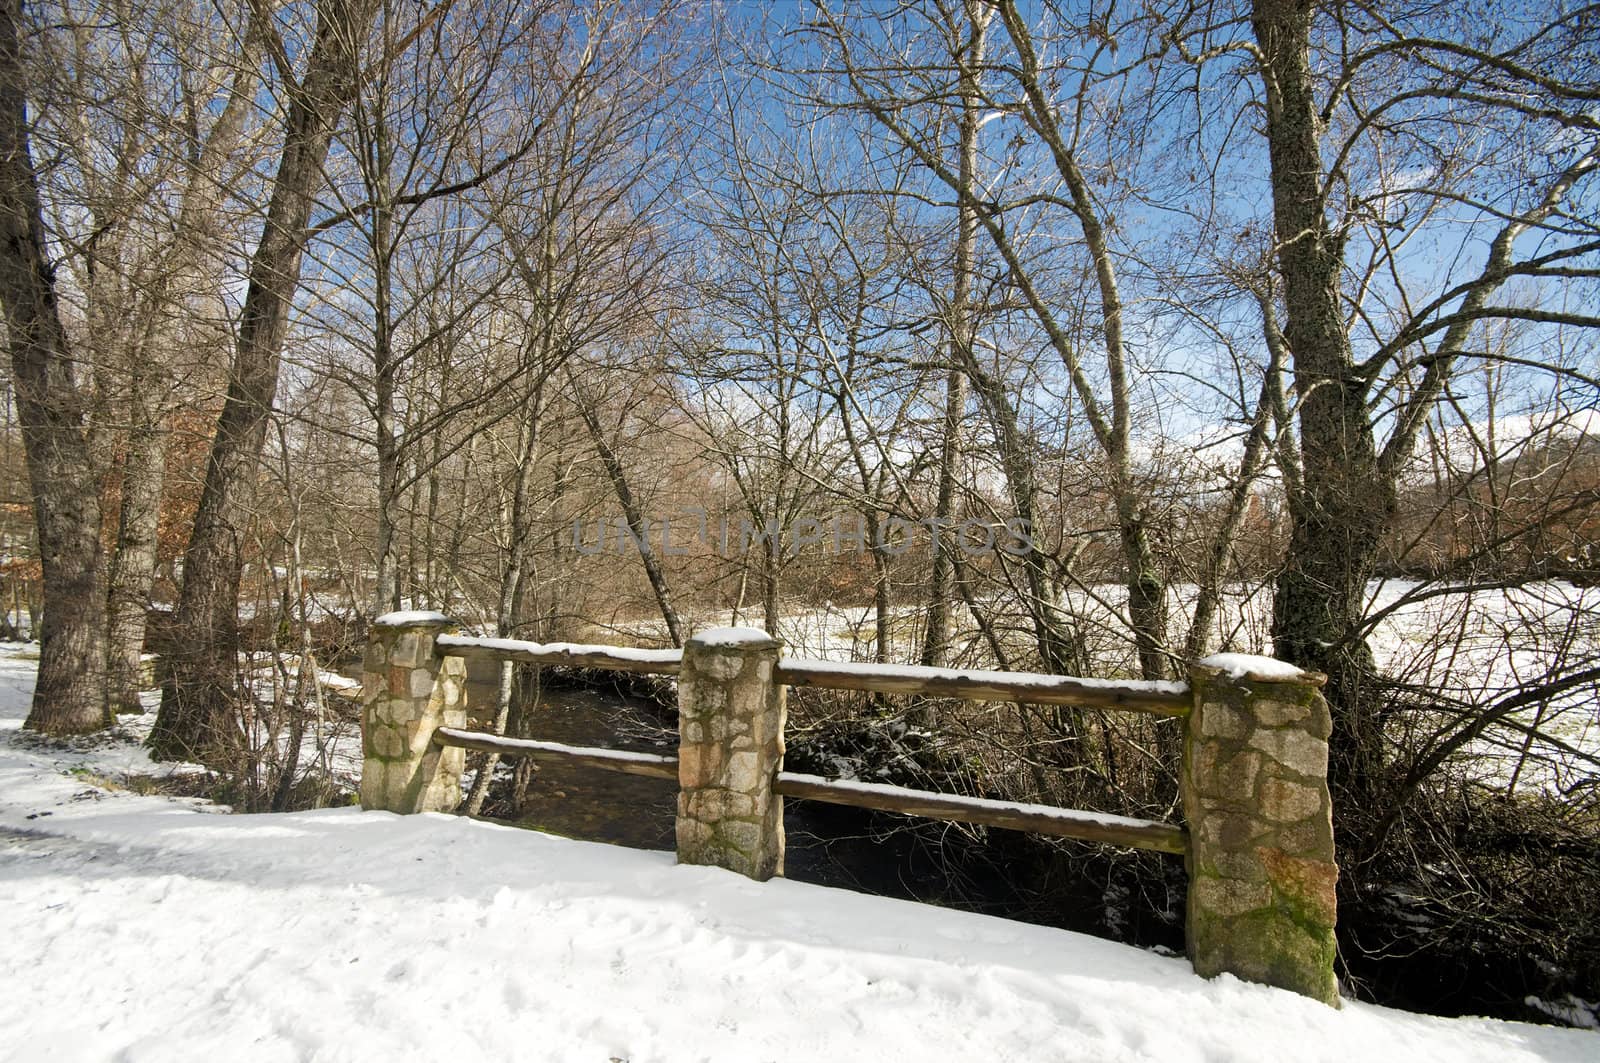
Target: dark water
825	844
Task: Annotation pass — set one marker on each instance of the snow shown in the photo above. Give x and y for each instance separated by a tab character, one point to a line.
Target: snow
1481	645
290	664
1032	680
408	617
1065	815
1252	666
143	928
732	636
533	746
618	653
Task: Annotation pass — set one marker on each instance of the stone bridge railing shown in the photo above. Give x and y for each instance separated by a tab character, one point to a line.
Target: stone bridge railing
1257	837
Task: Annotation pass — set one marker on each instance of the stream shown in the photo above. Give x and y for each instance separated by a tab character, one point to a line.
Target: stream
825	844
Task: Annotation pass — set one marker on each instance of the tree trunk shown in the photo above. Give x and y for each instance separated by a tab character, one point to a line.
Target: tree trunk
133	567
513	583
184	273
771	584
69	696
1060	652
1338	513
637	522
198	718
388	591
1146	582
936	639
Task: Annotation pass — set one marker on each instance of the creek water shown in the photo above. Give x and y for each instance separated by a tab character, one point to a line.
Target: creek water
825	844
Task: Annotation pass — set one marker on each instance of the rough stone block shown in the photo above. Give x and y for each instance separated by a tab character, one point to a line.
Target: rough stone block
1289	802
1295	750
741	834
694	766
1223	721
1312	836
1244	866
744	772
405	651
1230	896
1230	830
1310	887
1227	778
1271	712
723	666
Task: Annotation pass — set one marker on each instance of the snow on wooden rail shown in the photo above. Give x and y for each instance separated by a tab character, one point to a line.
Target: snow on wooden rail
562	654
1012	815
649	765
1162	698
973	684
956	808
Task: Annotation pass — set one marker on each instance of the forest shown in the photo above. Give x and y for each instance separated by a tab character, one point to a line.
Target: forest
1083	338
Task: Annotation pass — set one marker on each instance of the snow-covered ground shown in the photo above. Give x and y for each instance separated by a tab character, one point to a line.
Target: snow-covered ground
144	928
1473	646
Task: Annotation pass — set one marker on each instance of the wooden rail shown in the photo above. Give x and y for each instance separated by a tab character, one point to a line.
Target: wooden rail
950	808
1163	698
955	808
562	654
649	765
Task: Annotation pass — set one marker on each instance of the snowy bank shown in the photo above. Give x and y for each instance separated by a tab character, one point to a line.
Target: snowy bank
142	928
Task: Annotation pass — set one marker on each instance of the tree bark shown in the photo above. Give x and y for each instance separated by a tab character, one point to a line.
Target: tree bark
198	718
148	364
936	639
513	582
1338	513
69	696
1060	651
133	566
638	524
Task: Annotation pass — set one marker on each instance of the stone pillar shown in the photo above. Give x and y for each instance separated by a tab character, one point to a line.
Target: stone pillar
406	693
1255	792
730	749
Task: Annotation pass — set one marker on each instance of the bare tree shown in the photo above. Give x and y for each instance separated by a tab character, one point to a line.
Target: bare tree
70	694
198	719
1020	85
959	317
1405	89
151	234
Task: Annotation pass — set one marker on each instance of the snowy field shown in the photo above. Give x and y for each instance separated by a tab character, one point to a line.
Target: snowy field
1467	647
143	928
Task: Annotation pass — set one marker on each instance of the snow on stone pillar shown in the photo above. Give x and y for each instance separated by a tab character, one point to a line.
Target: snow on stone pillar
1255	792
730	749
406	693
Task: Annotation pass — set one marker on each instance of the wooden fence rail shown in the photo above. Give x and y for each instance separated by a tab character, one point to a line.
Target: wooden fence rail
1258	837
1166	699
649	765
1012	815
562	654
